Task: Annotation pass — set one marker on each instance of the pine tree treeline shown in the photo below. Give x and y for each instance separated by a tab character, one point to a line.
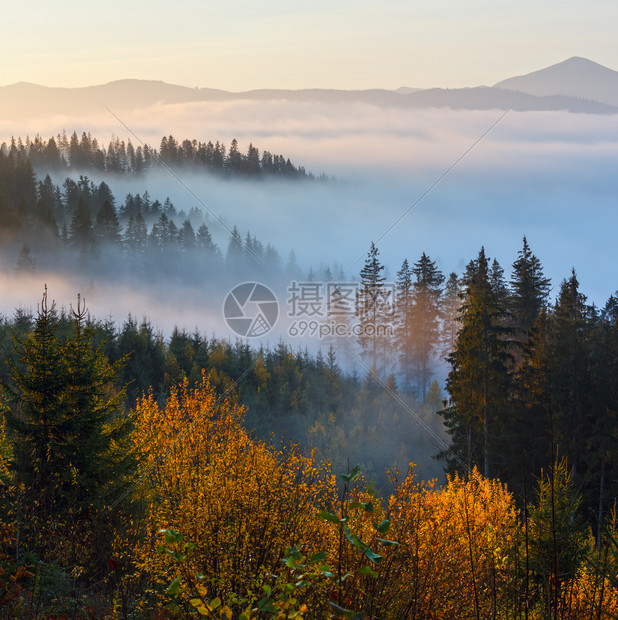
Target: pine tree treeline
85	154
290	394
83	218
532	381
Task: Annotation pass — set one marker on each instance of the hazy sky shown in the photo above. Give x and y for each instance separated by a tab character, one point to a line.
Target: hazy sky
242	44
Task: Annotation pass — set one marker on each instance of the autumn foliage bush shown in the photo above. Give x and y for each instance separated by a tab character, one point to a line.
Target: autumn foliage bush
239	501
454	549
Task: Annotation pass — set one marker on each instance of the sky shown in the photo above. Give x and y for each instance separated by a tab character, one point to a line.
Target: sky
243	44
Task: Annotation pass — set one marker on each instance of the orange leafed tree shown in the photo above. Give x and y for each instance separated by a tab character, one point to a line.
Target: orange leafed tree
241	502
455	548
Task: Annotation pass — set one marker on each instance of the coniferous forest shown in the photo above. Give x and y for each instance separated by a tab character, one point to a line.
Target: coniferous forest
456	458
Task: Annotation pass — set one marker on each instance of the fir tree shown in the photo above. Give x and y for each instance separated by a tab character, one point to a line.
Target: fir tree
529	289
81	232
427	291
235	251
570	368
528	442
69	436
204	242
234	158
107	228
187	236
404	325
478	380
450	312
371	310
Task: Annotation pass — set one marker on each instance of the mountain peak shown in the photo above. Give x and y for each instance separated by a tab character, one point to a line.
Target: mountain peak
574	77
580	60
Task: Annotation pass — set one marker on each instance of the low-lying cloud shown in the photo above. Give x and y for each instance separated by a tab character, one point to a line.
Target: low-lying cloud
548	175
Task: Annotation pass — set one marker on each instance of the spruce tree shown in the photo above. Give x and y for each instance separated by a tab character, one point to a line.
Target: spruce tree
81	233
478	380
529	290
235	252
107	228
528	441
602	457
571	378
234	158
404	325
427	291
70	438
204	242
450	312
187	236
371	310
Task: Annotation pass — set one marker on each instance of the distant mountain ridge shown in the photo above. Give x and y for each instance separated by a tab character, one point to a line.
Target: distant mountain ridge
576	85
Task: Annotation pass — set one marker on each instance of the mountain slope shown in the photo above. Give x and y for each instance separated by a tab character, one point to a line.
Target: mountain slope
575	77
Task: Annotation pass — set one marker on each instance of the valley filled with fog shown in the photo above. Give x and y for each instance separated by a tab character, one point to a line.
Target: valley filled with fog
440	181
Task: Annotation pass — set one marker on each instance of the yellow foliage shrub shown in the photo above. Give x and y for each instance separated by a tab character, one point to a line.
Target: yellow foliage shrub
239	501
455	548
589	595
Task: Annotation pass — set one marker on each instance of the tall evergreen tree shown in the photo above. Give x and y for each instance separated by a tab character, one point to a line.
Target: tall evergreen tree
529	290
498	284
404	324
107	228
69	438
234	158
571	378
204	242
187	236
136	236
528	439
82	230
450	312
371	310
235	251
478	380
602	457
427	291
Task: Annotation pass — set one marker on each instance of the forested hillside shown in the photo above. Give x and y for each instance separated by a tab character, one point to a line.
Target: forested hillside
80	224
166	505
